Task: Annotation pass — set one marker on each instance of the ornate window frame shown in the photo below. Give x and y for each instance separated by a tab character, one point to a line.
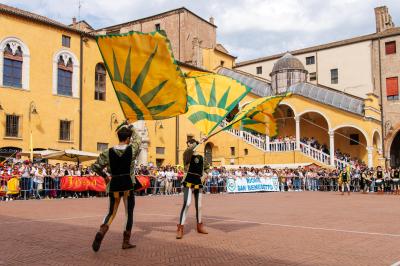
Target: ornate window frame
66	55
14	44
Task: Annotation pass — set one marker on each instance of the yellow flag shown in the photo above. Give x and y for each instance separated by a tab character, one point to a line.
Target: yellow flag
269	128
148	82
257	116
211	97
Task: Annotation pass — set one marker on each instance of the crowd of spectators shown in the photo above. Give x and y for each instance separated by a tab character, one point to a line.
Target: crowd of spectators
42	180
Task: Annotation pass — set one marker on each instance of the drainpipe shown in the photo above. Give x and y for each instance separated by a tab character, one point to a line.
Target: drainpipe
81	91
381	96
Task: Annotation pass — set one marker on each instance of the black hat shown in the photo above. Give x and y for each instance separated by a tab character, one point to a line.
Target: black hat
124	126
191	141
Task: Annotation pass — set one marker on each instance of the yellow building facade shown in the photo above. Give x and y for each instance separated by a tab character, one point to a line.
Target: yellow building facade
38	106
86	119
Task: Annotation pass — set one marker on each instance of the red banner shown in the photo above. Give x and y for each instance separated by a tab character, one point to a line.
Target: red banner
142	182
83	183
96	183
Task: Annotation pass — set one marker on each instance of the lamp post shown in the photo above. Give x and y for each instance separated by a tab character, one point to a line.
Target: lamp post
32	111
159	125
113	119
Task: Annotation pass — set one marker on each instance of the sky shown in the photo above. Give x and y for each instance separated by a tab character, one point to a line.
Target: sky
248	29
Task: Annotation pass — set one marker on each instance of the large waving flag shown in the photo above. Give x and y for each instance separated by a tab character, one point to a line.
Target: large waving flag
257	116
148	82
270	127
211	97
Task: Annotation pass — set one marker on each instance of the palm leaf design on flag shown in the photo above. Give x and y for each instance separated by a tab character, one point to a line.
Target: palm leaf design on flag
258	116
269	128
148	83
210	99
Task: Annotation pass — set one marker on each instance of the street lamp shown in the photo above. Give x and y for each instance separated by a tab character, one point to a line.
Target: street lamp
113	120
32	110
159	125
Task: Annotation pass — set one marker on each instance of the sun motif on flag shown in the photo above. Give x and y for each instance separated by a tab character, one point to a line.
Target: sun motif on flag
148	83
210	99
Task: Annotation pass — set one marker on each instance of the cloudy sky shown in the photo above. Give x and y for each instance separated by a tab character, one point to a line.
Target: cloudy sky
247	28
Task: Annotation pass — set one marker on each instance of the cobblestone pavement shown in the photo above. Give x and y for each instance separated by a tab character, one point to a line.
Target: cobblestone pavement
298	228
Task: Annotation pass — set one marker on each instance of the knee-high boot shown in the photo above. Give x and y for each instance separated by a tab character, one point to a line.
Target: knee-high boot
99	237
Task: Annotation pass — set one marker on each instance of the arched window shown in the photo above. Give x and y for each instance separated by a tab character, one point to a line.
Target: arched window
14	63
65	74
100	82
208	154
12	73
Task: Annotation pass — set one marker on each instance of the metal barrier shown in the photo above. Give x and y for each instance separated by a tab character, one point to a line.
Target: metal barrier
30	188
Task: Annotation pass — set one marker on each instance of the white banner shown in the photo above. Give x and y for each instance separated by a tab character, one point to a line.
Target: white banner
252	184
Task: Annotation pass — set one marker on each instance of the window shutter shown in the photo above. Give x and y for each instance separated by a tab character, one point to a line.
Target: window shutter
390	47
392	86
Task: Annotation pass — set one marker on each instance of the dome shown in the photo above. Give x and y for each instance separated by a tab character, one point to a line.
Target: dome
287	62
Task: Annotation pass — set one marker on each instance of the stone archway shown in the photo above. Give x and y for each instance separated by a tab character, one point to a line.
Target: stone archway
351	143
284	116
314	127
395	151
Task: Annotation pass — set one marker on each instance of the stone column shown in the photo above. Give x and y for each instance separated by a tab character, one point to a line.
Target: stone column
267	143
297	119
141	129
370	157
332	147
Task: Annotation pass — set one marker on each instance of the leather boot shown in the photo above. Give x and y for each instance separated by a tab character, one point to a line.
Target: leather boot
125	242
200	229
179	231
99	237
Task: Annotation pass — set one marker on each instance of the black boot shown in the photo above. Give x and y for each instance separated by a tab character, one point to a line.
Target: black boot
125	242
99	237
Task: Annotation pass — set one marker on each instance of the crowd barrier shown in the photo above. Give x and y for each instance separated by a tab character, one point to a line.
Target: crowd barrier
91	186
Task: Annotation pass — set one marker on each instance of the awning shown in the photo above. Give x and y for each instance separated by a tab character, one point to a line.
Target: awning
38	154
72	156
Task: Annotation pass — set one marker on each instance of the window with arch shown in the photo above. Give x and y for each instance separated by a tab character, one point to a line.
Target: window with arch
100	83
64	76
14	63
12	66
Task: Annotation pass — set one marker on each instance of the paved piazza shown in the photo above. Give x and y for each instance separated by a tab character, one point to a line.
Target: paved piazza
298	228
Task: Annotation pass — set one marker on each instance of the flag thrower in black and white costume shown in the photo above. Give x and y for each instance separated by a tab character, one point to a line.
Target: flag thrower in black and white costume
192	184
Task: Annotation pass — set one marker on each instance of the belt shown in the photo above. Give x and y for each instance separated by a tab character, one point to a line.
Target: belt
194	174
191	185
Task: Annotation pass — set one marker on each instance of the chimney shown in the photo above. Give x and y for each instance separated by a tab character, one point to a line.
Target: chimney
73	20
211	20
383	19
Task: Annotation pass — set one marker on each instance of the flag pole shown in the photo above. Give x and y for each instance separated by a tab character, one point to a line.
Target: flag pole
31	147
215	133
